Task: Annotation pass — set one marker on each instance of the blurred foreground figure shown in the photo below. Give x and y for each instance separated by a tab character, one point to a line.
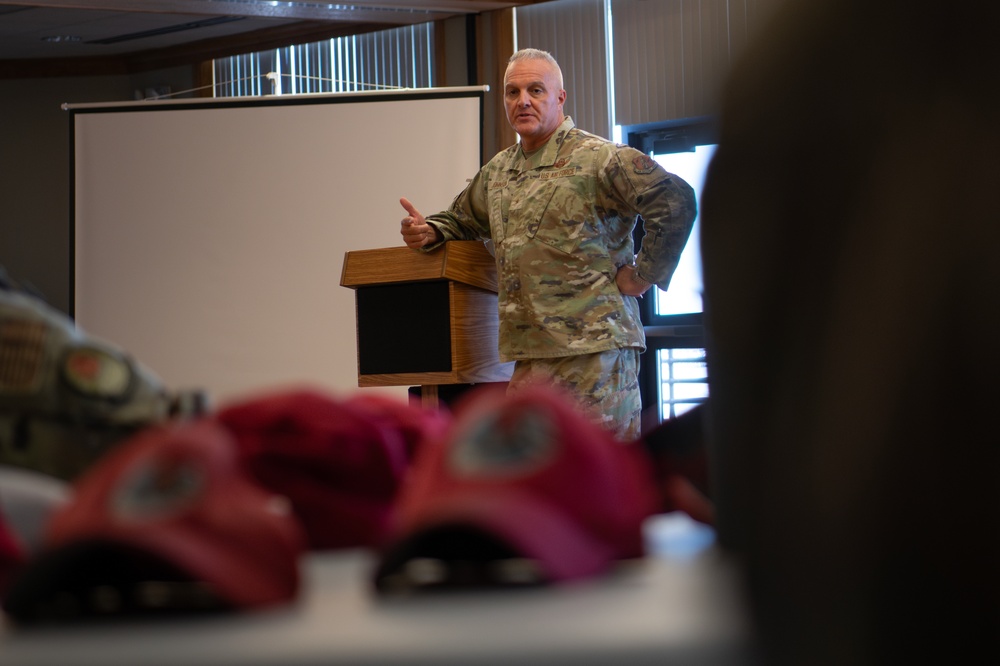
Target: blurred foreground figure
850	240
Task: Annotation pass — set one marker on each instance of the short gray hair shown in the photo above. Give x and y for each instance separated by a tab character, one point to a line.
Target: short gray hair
537	54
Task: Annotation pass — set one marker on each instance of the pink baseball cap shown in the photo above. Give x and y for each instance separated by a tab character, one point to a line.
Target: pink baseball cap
339	461
413	421
167	523
524	489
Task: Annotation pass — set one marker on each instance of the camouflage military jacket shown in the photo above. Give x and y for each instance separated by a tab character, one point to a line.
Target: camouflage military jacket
561	222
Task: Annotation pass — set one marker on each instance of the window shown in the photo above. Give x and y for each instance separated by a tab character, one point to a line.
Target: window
682	379
395	58
674	374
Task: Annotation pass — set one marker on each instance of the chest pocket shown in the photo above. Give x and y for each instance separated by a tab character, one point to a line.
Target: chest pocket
550	207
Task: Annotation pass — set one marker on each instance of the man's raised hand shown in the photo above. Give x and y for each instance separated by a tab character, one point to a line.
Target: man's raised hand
414	228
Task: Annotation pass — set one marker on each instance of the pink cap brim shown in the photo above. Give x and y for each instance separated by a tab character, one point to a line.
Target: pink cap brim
531	527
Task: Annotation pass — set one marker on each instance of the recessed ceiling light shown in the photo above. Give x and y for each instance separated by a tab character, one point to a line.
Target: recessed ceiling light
61	38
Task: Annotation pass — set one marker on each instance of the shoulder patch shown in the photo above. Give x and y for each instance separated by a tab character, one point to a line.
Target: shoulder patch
643	164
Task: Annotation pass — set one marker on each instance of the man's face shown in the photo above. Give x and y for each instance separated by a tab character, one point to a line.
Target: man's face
534	101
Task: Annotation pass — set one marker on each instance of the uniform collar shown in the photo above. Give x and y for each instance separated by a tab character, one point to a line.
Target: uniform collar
546	155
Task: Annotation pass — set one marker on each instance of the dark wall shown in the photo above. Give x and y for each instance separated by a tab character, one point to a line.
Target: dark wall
35	170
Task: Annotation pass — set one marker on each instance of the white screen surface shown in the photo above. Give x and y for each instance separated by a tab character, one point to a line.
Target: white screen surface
209	239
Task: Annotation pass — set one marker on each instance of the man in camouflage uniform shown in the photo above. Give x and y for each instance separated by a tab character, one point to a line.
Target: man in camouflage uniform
560	207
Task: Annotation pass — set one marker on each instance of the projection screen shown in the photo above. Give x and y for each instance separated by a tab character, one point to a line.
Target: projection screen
209	235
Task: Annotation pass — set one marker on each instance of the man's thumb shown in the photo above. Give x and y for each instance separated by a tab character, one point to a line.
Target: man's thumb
405	203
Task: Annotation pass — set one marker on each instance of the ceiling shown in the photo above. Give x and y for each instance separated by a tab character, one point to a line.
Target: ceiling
54	37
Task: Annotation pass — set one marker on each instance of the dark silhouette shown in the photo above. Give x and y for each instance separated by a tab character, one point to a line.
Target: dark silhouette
850	237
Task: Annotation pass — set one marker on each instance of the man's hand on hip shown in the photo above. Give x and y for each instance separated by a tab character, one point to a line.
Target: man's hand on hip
629	282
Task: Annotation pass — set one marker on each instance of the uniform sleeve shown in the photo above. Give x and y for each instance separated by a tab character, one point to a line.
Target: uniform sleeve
468	216
665	202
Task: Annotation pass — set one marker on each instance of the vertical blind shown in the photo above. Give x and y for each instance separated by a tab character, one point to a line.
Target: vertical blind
394	58
667	58
575	33
671	57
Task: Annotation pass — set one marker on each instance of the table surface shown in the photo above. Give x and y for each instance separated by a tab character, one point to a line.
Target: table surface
680	604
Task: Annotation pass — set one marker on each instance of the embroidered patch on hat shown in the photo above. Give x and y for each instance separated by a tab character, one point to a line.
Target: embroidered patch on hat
97	373
492	447
158	487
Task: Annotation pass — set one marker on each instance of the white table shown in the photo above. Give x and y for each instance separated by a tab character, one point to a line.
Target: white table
677	606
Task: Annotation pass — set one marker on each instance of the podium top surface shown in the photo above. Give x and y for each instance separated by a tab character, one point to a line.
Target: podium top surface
468	262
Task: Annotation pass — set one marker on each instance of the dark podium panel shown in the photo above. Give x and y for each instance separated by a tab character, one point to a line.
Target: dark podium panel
426	318
397	320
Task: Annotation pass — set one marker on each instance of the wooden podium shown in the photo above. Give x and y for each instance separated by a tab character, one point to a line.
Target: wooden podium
426	318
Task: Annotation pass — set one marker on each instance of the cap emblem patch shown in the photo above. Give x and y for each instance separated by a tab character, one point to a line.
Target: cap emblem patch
506	444
158	488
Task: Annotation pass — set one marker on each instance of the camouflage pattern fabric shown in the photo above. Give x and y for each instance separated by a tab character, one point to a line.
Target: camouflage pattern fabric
66	397
606	385
561	222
